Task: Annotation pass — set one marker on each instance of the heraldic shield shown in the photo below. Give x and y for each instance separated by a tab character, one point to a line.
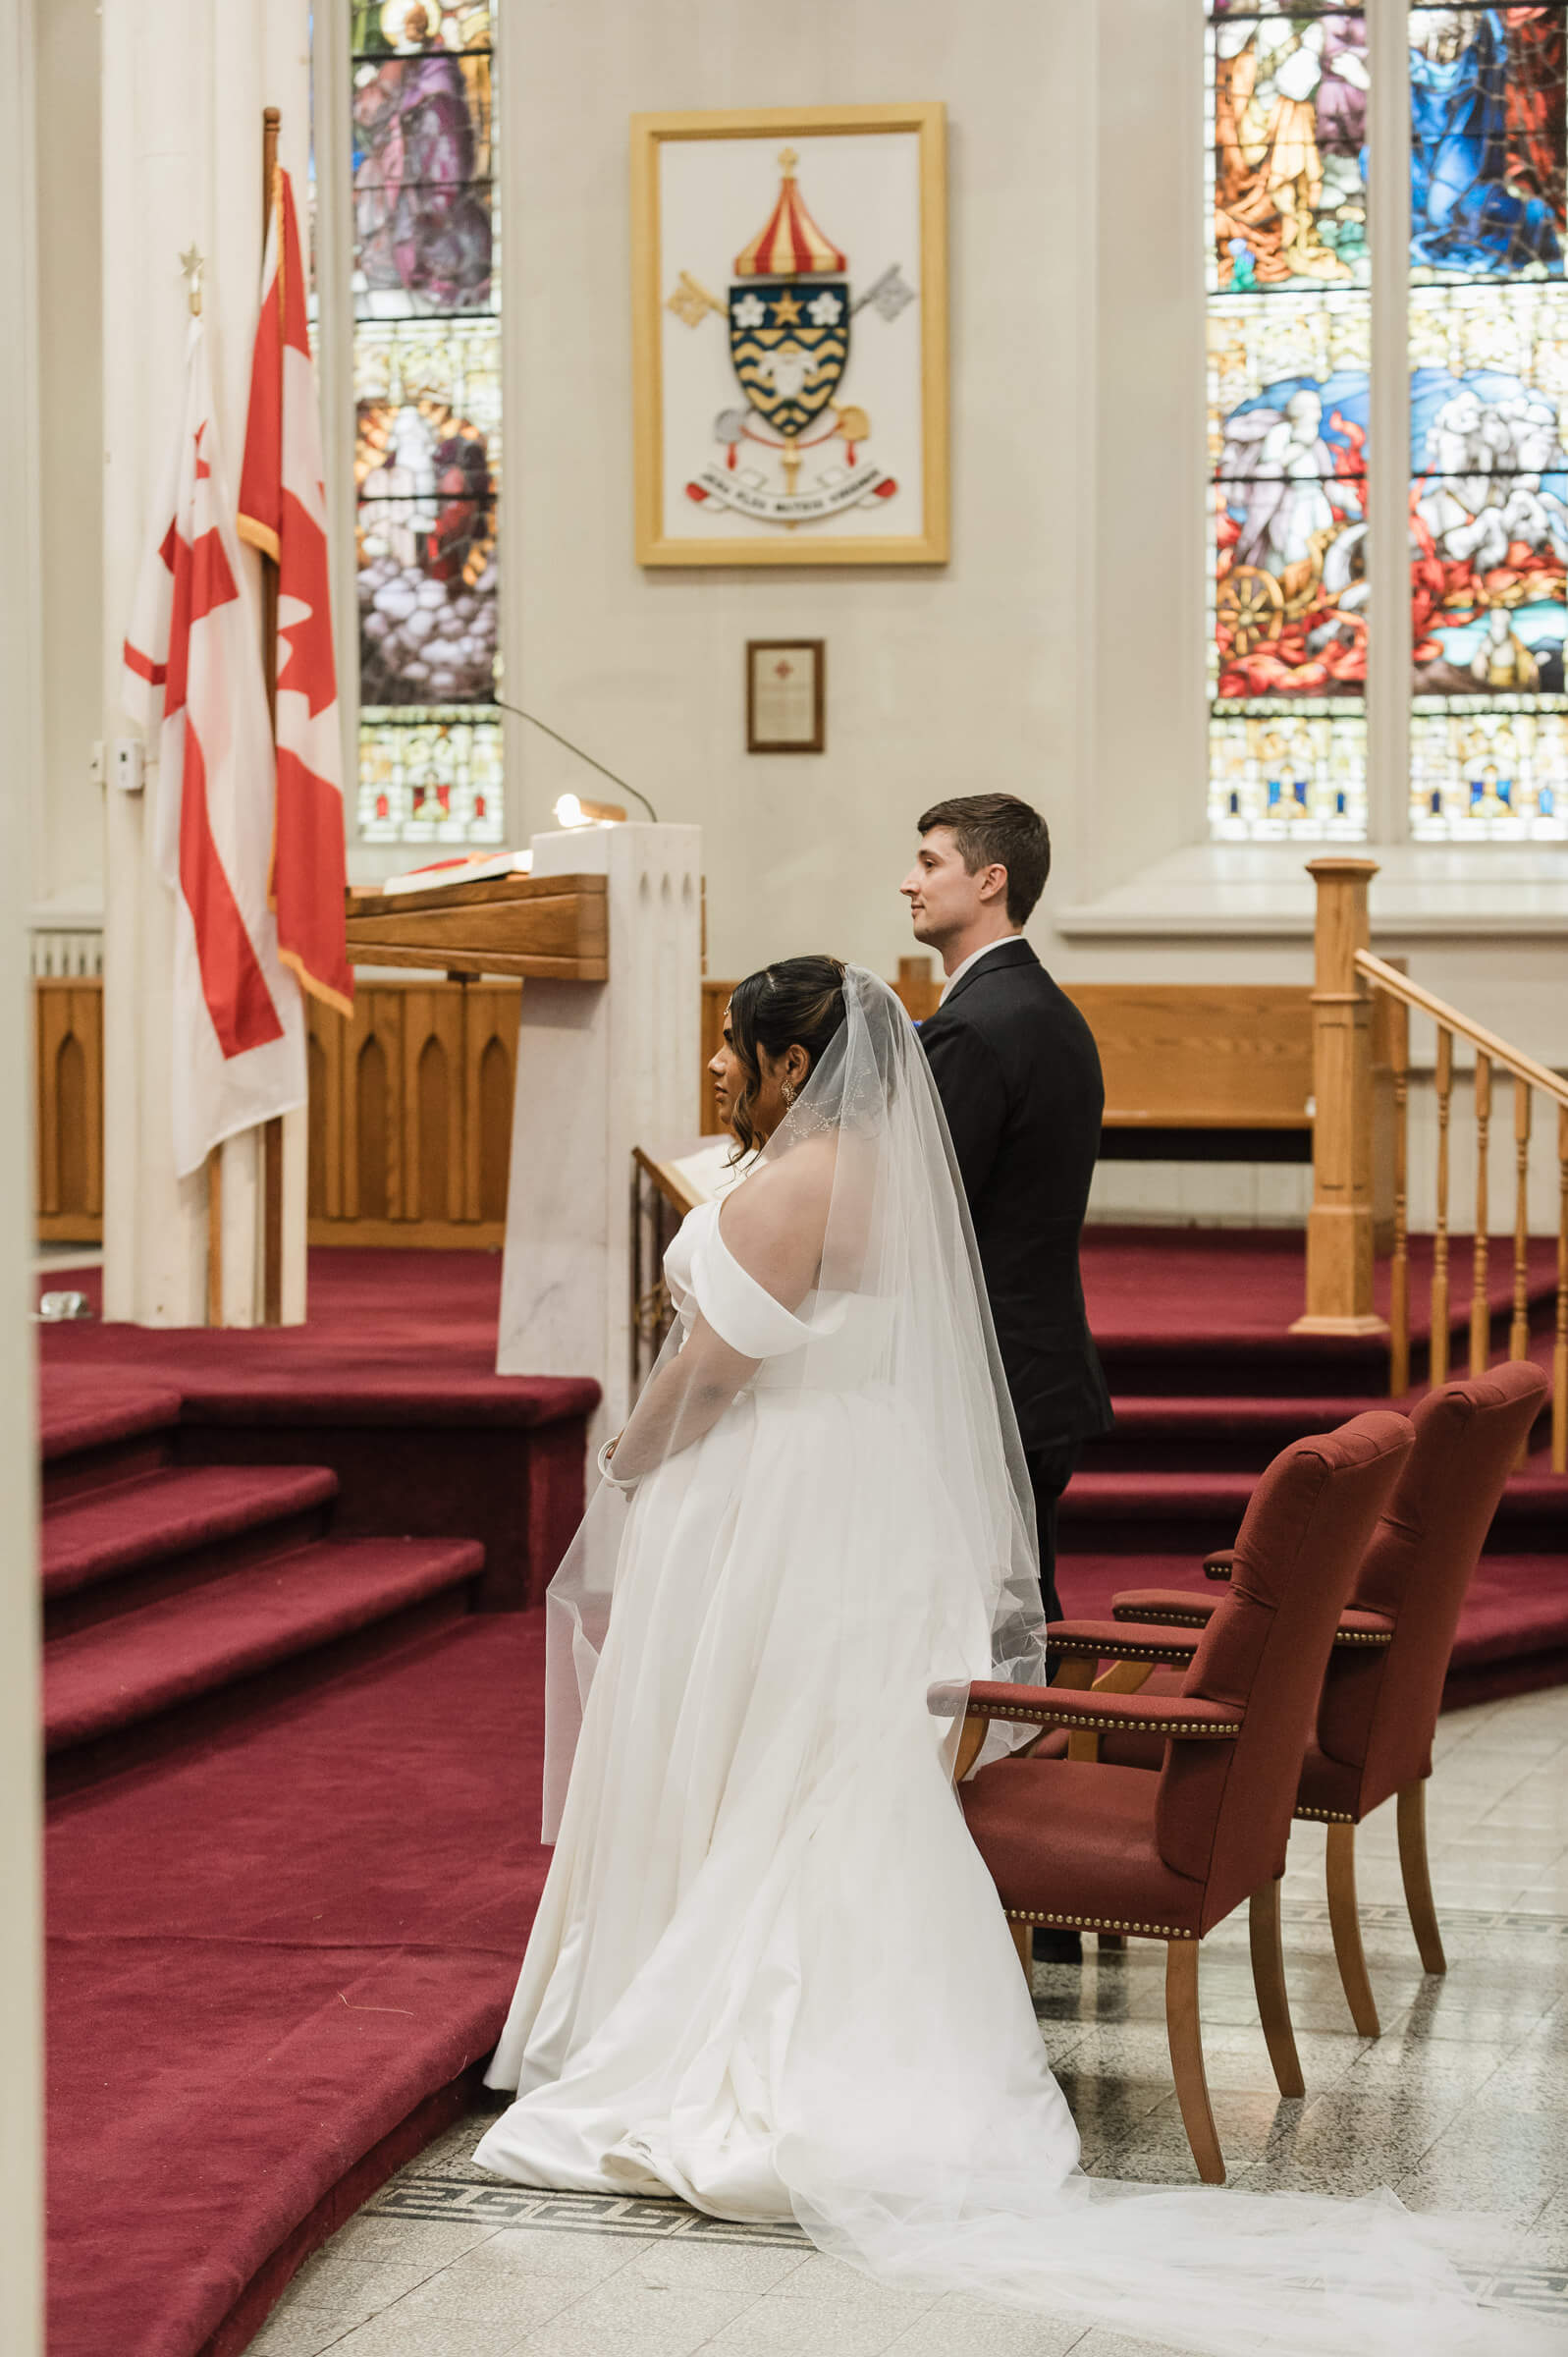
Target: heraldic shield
790	346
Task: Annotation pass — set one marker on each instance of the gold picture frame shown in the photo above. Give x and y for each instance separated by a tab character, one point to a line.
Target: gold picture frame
696	508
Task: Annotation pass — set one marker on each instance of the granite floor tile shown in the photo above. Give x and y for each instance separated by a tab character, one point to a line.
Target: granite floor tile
519	2254
353	2288
687	2264
386	2335
513	2296
962	2327
372	2238
611	2322
776	2326
300	2333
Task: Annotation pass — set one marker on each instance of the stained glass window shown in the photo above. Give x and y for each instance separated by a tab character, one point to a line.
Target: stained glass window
1289	328
1489	376
427	393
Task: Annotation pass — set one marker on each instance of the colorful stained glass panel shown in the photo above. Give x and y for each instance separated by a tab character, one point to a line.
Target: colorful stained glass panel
430	776
1482	774
424	230
1287	97
1287	386
406	27
1283	773
425	468
1487	132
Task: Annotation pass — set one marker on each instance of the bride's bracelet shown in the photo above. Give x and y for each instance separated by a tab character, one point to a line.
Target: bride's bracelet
603	1461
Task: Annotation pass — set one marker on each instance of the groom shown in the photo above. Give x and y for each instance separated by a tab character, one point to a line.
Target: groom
1019	1074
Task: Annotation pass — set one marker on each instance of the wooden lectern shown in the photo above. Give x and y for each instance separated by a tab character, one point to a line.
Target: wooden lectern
544	929
607	1055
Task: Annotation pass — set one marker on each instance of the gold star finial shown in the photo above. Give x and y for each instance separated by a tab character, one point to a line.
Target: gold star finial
788	159
192	263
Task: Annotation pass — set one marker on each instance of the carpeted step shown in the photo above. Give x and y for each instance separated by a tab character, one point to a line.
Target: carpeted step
94	1433
1138	1513
1202	1433
1161	1512
112	1550
267	1957
122	1673
1214	1433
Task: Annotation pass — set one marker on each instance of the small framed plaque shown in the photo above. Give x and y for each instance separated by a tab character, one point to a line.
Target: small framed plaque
785	681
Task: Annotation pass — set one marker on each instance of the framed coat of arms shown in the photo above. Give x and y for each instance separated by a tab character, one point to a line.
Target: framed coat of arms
790	336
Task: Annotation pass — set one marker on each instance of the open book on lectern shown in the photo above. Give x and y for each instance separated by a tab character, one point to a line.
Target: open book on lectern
697	1173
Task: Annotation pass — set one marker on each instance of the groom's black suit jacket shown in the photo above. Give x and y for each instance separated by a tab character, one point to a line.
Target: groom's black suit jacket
1019	1074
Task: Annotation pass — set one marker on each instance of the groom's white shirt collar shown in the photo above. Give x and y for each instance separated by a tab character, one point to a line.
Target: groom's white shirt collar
974	959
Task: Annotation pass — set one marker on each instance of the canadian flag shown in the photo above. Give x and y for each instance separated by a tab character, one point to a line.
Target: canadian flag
192	666
283	510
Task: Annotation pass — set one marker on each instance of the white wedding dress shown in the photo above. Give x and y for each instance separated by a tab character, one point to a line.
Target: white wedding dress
768	1973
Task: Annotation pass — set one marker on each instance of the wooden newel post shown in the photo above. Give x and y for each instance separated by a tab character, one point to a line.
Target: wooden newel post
1339	1226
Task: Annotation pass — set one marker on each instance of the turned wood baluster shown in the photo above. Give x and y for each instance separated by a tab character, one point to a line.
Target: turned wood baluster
1559	1353
1437	1369
1480	1305
1519	1332
1399	1268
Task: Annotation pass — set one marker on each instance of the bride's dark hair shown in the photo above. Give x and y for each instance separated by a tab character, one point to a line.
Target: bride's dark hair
798	1002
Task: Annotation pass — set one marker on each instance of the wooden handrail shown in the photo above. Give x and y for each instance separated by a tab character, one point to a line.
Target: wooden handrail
1426	1001
1347	980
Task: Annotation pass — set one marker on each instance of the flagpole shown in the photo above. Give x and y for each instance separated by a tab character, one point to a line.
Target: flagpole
271	1132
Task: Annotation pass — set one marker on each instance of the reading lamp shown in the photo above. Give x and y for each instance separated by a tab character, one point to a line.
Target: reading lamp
572	811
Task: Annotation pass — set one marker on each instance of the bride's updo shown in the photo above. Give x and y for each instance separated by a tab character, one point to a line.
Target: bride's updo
798	1002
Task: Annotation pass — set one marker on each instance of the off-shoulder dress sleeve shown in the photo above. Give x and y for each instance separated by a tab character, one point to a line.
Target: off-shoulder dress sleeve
740	1311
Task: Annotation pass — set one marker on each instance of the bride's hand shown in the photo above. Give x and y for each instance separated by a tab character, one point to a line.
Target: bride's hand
605	1455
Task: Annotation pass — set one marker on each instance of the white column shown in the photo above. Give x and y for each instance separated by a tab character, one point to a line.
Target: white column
184	85
601	1068
22	701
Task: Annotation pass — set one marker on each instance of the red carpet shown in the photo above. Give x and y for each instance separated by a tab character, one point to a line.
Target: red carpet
1208	1385
291	1848
264	1954
392	1385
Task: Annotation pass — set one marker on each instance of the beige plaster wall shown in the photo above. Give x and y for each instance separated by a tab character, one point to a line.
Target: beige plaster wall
972	676
68	841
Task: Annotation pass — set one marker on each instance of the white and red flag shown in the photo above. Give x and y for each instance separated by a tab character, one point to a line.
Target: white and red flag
192	667
283	510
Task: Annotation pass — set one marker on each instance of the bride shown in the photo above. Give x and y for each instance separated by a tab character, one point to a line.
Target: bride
768	1973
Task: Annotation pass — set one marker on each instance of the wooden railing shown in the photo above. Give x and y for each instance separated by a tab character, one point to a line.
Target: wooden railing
1351	985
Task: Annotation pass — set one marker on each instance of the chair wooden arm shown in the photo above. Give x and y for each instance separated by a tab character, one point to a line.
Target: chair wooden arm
1183	1716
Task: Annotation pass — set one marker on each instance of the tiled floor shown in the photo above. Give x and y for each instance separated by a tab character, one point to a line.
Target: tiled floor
1458	2105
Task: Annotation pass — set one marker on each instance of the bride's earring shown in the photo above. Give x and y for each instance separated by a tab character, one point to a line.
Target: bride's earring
788	1092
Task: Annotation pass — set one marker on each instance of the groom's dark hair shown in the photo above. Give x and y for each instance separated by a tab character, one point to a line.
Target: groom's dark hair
998	830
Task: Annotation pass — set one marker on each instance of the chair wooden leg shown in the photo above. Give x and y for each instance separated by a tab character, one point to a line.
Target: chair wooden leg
1185	2033
1023	1940
1412	1806
1269	1982
1345	1921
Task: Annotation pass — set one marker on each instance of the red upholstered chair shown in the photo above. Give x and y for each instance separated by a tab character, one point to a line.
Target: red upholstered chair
1103	1848
1384	1685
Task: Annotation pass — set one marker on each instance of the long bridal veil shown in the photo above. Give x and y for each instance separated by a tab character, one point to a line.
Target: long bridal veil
898	2080
899	1298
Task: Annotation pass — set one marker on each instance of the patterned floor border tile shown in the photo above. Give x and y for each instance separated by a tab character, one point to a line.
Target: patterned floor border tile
438	2194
